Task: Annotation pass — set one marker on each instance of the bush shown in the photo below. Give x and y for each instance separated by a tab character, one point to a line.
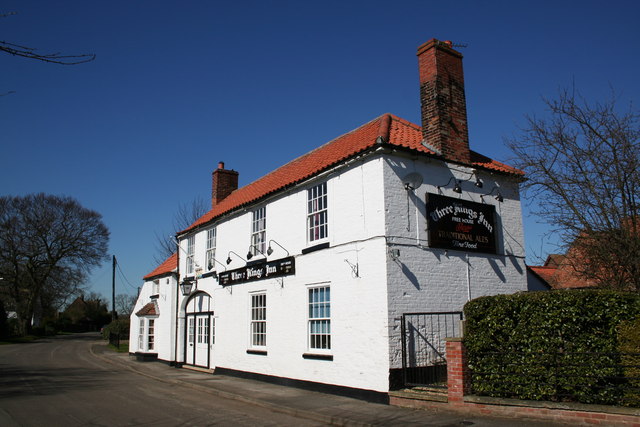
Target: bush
559	345
119	326
629	337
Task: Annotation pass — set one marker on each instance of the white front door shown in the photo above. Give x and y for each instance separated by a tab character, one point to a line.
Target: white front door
199	330
203	339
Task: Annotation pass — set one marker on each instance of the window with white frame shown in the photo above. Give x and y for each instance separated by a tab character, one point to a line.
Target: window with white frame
146	334
156	287
151	334
259	231
320	318
211	248
317	224
258	320
192	330
141	334
191	241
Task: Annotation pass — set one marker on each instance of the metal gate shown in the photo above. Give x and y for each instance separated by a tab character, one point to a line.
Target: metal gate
424	360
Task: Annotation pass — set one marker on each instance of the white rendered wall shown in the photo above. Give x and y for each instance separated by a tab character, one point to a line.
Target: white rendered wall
164	322
358	301
422	279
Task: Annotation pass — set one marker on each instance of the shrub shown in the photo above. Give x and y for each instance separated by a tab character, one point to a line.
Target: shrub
629	338
118	326
559	345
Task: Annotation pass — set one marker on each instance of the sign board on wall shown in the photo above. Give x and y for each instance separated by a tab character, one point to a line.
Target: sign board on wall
258	271
460	224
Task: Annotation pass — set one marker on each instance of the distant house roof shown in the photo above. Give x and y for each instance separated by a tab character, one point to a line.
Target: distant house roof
384	131
560	272
167	267
150	309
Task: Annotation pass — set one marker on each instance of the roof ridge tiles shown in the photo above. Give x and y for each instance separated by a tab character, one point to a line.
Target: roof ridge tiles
387	128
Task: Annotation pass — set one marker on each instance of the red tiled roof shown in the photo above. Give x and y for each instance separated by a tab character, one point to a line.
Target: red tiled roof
150	309
169	265
391	130
546	273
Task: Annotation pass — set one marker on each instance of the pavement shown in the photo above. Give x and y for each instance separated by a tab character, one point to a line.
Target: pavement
324	408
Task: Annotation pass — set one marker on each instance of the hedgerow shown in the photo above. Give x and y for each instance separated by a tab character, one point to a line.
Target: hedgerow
559	345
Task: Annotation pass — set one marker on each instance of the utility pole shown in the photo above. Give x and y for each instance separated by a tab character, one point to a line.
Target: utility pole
113	290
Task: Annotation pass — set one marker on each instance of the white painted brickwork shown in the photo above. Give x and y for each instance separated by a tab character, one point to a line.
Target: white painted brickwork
164	322
370	213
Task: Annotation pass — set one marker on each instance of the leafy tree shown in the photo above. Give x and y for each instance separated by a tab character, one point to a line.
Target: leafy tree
582	161
186	215
48	246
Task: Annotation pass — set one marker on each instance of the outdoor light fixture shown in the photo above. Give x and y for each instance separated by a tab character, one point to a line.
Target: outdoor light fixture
186	287
270	249
478	182
229	257
211	264
498	195
456	187
250	254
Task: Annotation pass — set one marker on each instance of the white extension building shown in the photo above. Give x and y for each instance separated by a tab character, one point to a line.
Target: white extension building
304	276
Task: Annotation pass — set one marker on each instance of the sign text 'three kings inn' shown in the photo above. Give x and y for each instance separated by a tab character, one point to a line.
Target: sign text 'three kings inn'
460	224
258	271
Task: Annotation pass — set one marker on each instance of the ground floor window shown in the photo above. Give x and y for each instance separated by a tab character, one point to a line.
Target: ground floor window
258	320
146	334
151	335
320	318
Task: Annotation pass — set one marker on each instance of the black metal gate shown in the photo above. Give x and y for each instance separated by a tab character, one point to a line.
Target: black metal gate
424	360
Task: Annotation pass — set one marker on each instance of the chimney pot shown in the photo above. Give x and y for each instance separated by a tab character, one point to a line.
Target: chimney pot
220	165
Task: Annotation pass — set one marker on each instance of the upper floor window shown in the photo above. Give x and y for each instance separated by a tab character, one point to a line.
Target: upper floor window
317	212
259	231
211	248
190	254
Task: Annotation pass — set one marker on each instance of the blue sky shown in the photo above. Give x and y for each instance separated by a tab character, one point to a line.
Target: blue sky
179	85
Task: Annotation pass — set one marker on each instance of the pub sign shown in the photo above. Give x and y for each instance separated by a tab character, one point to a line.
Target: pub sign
460	224
258	271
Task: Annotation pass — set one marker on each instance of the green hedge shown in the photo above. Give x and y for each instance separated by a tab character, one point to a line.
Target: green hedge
558	345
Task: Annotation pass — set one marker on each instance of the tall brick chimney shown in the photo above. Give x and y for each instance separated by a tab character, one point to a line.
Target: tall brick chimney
223	182
444	108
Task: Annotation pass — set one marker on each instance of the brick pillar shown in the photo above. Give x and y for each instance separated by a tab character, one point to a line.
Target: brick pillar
457	373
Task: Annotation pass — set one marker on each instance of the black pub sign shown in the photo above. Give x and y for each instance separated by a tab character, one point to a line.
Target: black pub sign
460	224
258	271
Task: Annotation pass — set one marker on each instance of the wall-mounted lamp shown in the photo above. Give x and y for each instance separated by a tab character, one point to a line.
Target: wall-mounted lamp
395	253
229	257
498	195
456	187
211	264
254	248
270	249
478	182
186	287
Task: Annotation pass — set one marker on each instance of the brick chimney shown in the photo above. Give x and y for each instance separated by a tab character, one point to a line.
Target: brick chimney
223	182
444	108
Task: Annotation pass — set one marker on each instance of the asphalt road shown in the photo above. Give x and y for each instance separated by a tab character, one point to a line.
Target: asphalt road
58	382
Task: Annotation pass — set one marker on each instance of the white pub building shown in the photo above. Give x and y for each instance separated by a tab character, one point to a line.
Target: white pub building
307	275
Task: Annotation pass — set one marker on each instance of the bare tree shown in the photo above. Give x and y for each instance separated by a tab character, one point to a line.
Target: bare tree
186	215
125	304
582	161
32	53
48	246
